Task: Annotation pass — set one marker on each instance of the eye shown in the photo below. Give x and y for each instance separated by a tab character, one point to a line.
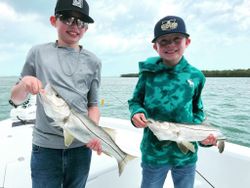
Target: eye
177	39
69	20
80	23
163	42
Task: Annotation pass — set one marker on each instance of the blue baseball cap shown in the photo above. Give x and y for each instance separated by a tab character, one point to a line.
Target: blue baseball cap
168	25
81	6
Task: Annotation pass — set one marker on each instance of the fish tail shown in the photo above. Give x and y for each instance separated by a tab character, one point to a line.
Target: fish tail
221	146
122	163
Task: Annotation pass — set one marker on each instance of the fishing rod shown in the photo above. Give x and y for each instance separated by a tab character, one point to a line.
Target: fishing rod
125	103
3	105
204	178
102	101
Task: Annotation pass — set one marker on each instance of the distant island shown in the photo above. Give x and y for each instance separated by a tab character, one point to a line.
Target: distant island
212	73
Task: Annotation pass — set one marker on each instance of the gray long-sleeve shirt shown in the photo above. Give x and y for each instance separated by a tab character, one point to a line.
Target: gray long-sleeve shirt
76	78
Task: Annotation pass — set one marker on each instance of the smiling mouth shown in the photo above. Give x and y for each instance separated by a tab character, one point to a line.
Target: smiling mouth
73	33
171	52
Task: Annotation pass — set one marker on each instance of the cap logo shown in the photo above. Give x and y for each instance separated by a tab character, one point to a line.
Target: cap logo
169	24
78	3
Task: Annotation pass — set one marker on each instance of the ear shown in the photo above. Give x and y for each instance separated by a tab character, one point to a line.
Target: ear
155	46
86	28
188	41
53	21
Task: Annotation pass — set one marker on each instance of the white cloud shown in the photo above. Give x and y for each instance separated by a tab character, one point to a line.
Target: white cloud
242	15
123	30
225	15
112	12
8	14
213	6
19	32
21	27
170	8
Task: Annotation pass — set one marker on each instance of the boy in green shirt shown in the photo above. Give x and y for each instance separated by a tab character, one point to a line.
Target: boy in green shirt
168	89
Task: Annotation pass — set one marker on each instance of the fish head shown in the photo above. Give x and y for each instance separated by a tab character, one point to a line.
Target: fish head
162	128
171	130
54	106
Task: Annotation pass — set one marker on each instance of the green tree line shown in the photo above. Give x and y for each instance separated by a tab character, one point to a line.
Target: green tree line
212	73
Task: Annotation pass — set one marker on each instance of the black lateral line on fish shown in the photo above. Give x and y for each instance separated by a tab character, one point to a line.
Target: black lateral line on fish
207	130
99	137
191	126
196	128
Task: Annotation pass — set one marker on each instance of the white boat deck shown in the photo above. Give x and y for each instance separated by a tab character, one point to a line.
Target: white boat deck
231	169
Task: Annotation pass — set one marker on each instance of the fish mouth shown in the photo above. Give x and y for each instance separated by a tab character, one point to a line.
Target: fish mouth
149	121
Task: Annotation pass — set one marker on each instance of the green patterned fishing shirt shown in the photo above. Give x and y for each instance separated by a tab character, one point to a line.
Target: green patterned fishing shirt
171	94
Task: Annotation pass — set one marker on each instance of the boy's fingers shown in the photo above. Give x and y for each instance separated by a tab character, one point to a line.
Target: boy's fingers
210	140
42	91
95	145
139	120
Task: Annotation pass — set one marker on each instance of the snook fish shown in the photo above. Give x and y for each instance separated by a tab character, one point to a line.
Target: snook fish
184	134
81	127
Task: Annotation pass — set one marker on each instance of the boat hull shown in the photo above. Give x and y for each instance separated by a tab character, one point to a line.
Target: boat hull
230	169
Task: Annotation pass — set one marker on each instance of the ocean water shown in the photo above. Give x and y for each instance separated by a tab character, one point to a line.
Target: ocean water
226	103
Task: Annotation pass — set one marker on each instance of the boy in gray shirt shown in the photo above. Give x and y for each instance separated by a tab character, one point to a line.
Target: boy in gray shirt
74	73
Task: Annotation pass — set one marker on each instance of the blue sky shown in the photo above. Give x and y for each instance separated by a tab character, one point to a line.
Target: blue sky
122	33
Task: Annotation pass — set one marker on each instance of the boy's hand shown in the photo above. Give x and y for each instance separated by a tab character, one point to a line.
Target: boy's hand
31	84
95	144
139	120
210	140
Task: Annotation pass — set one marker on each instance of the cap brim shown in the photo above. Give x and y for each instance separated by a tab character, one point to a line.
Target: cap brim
84	17
153	41
87	19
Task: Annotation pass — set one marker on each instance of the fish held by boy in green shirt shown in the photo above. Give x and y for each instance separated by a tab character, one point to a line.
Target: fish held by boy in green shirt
184	134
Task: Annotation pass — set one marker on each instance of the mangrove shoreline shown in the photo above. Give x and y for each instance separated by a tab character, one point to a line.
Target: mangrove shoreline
212	73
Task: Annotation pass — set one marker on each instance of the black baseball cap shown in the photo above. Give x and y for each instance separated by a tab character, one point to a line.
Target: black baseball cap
168	25
80	6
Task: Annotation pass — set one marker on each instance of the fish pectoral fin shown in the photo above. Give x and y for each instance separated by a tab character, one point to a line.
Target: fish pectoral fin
182	148
185	147
68	138
111	132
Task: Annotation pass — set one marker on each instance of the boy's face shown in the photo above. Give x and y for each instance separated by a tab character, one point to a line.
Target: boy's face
70	28
171	47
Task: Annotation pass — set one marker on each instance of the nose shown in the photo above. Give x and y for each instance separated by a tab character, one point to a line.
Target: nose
73	22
